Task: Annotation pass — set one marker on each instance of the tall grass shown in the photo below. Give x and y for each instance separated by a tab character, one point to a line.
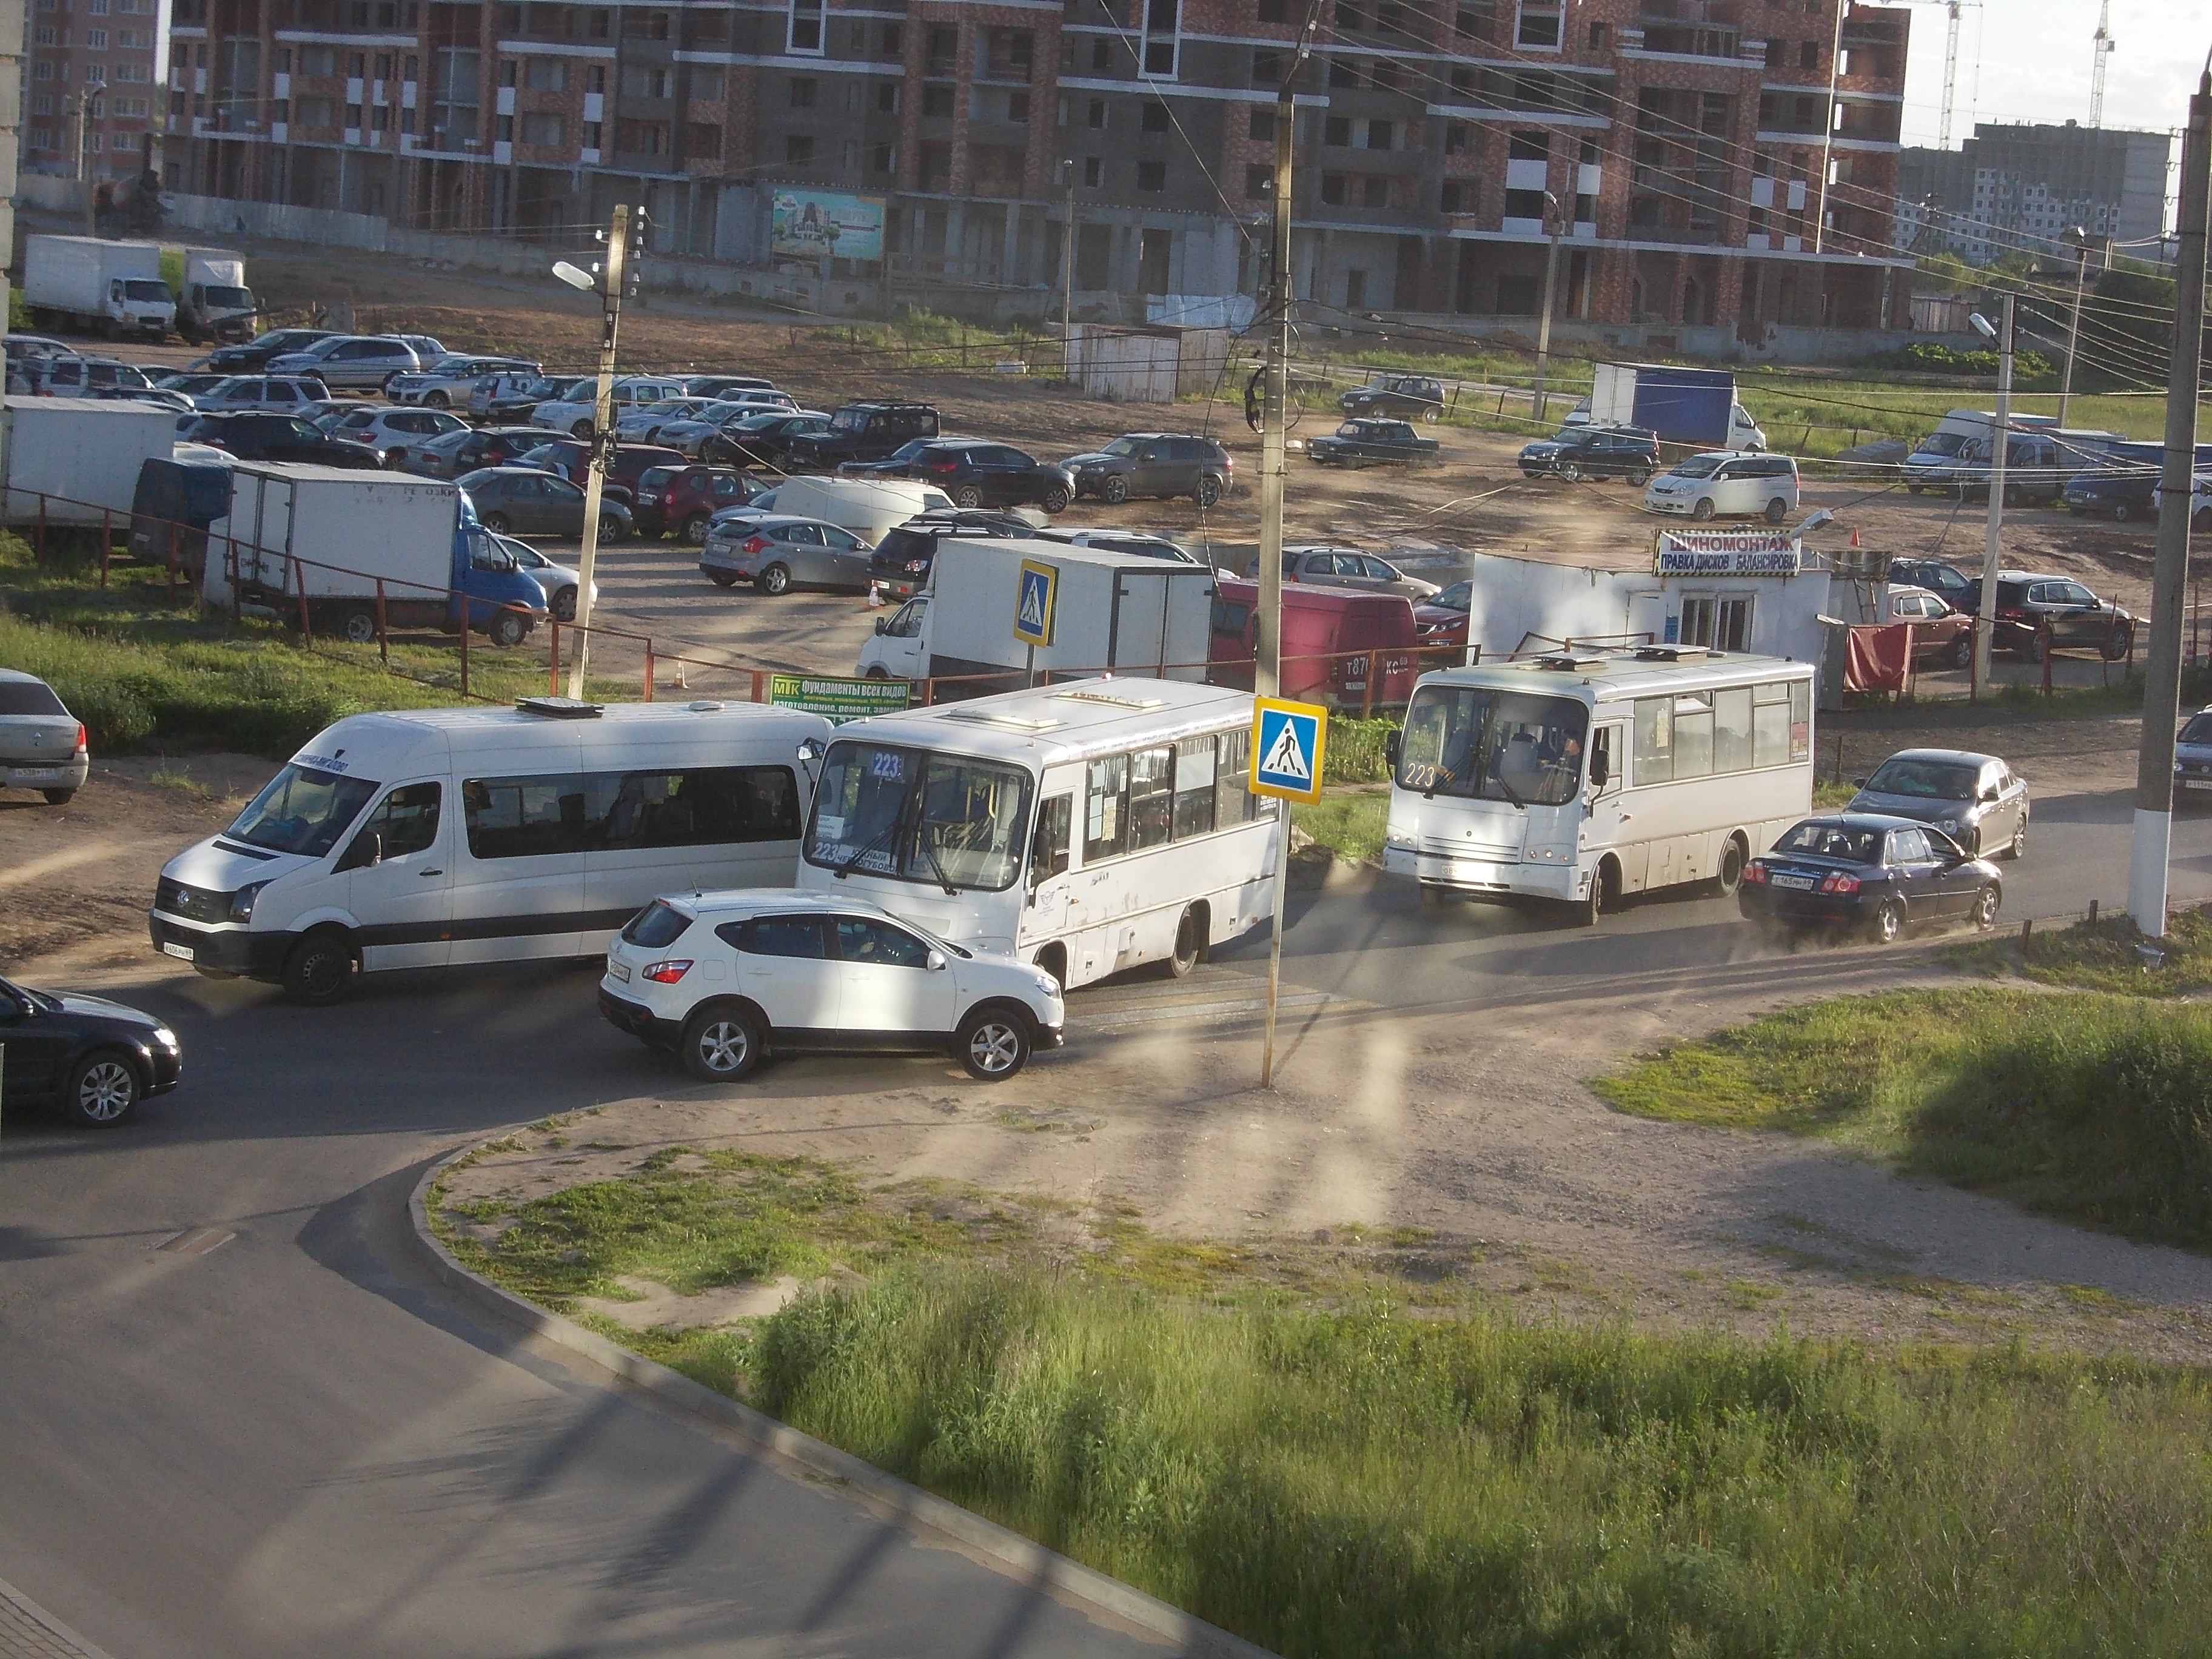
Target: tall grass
1366	1484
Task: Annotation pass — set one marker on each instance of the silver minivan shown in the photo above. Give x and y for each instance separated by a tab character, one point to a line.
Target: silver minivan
1727	484
359	362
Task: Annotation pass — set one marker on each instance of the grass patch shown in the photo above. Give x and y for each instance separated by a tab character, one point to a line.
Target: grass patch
2096	1108
2100	956
1349	825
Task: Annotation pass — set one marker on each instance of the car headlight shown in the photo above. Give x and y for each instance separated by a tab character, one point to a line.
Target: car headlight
1048	987
164	1037
241	902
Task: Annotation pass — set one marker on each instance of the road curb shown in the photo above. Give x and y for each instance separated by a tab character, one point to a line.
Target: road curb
1026	1558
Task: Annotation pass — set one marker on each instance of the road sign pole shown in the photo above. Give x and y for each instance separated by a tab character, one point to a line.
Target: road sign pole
1275	944
1287	739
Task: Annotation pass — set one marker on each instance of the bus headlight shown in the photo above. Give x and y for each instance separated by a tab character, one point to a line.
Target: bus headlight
1397	842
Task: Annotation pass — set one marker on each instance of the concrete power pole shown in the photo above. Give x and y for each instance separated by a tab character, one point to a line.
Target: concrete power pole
2154	829
2000	440
613	281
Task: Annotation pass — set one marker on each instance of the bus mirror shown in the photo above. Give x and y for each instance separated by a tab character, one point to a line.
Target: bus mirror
1601	770
1393	746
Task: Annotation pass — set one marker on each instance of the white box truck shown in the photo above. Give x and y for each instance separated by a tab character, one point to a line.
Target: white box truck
1110	613
213	301
80	458
113	288
343	538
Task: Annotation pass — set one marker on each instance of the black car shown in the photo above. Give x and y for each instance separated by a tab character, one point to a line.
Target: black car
256	435
1410	397
1952	585
2034	612
1366	442
1156	464
763	438
522	500
571	458
256	355
450	454
93	1058
974	473
1868	873
900	565
2120	494
1594	451
861	432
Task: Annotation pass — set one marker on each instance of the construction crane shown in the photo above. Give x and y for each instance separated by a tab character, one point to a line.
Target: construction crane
1952	8
2103	45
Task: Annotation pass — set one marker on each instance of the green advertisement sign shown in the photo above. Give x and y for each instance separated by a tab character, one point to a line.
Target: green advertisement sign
842	700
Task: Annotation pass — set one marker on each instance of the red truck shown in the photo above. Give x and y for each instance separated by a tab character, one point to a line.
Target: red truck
1348	650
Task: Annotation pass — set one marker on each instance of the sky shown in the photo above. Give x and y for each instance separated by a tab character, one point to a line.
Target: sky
2035	63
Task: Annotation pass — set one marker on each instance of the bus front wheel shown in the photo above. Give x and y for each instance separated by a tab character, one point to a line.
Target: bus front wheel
1604	894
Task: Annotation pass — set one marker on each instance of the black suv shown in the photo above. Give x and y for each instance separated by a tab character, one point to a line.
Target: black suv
1956	589
1594	451
901	562
254	435
974	473
1154	463
2035	612
861	432
255	354
1411	397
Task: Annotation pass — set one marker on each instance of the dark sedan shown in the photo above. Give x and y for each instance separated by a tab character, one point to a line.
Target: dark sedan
571	458
521	500
745	437
1365	442
2036	613
93	1058
253	436
1594	451
256	355
452	453
975	473
1868	873
1440	622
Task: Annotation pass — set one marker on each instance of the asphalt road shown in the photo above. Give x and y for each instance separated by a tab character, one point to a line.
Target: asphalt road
297	1443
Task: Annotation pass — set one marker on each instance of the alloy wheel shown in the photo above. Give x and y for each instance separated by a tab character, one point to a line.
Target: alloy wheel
994	1048
105	1091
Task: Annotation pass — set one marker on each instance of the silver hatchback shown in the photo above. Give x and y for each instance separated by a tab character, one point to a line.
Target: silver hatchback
355	363
42	744
776	553
1977	800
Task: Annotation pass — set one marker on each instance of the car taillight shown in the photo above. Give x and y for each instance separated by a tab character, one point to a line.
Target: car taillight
2010	616
80	737
943	466
755	544
667	973
1756	875
1839	883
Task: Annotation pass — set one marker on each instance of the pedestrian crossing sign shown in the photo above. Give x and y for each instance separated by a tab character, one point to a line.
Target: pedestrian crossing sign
1286	749
1033	602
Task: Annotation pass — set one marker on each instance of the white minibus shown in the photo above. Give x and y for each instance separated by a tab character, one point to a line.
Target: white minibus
1088	828
432	836
1582	777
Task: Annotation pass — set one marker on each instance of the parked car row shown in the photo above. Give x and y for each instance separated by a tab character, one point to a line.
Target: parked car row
2034	612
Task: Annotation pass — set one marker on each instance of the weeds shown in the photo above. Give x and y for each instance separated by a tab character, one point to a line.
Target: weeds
2101	955
1349	825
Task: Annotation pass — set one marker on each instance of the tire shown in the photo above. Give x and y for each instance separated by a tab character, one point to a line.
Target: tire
1208	491
2012	495
611	530
1604	894
877	673
1640	476
721	1043
1961	652
1731	871
385	387
1570	473
2116	647
1703	511
1776	510
968	495
1986	908
581	429
722	578
437	400
2122	512
564	605
1189	944
1886	925
695	530
508	627
497	524
1115	490
2017	846
359	627
320	970
993	1043
775	580
1913	490
2032	650
103	1088
1055	500
58	797
1432	416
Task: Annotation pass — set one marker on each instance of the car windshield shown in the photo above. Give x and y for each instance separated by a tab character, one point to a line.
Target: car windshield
1942	443
1924	779
1123	447
1460	596
1699	466
146	288
657	477
303	810
920	816
1826	839
1484	745
2199	729
228	296
916	450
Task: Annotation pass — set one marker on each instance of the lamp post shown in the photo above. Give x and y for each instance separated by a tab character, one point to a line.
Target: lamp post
611	280
2079	239
1552	214
2000	441
1067	274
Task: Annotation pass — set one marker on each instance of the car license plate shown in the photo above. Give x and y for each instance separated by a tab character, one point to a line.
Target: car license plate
618	970
1800	884
2197	783
34	774
171	948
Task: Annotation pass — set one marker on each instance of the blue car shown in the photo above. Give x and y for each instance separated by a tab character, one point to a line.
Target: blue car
1869	873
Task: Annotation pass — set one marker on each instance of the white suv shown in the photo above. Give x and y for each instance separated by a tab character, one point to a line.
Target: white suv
724	979
1724	484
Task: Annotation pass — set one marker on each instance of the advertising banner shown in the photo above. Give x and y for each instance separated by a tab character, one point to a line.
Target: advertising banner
840	699
816	224
1727	553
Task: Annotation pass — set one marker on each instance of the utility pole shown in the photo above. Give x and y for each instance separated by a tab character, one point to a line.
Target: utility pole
614	281
2154	828
2000	441
1550	288
1067	276
84	154
2080	238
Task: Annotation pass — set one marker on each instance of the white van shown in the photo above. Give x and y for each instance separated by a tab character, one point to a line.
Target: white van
870	507
436	836
1935	459
1725	485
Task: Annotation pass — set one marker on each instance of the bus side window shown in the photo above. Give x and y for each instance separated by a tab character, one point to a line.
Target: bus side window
1048	846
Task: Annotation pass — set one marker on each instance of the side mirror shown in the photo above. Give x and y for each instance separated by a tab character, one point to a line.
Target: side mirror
1601	770
1394	744
883	625
811	751
937	963
1990	795
1858	783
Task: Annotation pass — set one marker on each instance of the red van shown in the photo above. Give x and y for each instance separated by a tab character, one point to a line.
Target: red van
1349	650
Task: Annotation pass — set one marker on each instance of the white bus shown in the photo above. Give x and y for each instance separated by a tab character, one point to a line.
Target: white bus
1088	828
1580	778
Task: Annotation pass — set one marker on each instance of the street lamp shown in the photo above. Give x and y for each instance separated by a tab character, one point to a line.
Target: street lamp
612	280
2000	440
1067	273
1551	217
2078	238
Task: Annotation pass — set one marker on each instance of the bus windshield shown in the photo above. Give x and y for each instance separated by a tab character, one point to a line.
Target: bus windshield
882	810
1484	745
303	810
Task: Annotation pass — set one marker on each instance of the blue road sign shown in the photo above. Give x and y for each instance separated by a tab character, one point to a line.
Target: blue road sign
1034	599
1286	748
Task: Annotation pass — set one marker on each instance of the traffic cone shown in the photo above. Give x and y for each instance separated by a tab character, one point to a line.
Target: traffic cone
875	596
680	685
1855	535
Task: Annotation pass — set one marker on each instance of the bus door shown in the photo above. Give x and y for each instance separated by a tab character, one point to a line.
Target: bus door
1044	915
1609	827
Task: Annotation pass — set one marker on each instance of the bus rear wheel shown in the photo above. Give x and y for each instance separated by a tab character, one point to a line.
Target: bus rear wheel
1189	944
1731	870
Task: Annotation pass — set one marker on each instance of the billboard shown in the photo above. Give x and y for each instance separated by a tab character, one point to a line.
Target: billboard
1727	553
816	224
